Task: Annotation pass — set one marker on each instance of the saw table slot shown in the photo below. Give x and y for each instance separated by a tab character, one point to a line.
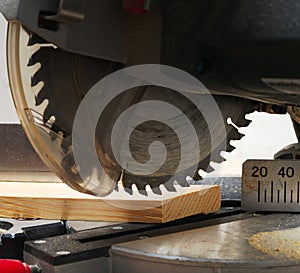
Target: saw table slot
107	236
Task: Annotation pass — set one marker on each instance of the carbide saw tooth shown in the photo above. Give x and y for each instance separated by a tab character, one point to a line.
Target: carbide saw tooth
129	191
37	88
218	158
230	148
244	123
33	69
33	49
181	180
170	186
41	108
209	169
236	135
197	177
141	189
156	190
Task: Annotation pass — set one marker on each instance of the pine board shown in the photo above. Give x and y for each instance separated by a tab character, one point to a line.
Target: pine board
58	201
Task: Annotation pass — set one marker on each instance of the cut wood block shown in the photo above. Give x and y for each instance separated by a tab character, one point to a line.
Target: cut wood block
58	201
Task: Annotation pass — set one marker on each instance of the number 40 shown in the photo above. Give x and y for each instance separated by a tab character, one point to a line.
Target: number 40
289	172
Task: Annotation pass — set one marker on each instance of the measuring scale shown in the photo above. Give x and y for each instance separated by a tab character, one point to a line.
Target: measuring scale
271	185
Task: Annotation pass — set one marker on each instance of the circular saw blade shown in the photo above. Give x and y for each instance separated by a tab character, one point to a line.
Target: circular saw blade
48	86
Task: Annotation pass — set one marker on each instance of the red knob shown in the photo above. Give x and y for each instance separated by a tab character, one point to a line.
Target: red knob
134	6
13	266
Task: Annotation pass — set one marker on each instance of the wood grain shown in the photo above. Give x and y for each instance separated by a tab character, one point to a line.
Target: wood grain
58	201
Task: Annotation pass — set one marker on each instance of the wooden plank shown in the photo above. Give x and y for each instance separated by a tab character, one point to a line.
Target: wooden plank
58	201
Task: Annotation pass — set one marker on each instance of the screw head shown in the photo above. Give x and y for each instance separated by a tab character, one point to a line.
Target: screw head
39	242
63	253
117	228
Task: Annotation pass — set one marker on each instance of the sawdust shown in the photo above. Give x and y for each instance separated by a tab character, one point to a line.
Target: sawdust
281	244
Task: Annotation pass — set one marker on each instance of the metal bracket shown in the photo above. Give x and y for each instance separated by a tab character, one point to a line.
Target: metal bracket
89	27
14	233
291	151
69	11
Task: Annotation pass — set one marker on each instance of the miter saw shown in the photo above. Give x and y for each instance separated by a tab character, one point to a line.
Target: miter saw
245	53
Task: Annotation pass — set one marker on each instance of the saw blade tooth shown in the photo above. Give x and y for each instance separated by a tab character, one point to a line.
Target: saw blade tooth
127	186
141	189
217	158
210	169
42	107
37	88
197	177
241	135
152	192
239	138
47	115
244	123
157	190
223	154
230	148
31	50
181	180
129	191
33	69
170	186
236	135
203	164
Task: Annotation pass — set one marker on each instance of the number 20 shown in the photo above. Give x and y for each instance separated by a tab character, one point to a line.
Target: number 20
259	172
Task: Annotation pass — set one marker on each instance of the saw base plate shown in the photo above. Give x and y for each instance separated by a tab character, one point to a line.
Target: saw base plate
266	243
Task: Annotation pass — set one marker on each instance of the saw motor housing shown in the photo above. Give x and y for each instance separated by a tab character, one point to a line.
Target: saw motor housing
241	48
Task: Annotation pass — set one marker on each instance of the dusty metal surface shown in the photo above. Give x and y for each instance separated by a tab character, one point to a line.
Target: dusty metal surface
220	248
281	244
18	160
16	152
